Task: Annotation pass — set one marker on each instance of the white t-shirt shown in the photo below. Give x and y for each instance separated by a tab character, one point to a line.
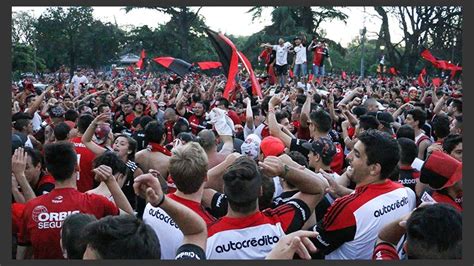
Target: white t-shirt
76	80
36	121
282	53
300	51
257	131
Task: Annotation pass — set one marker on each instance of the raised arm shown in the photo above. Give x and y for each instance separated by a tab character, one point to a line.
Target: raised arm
189	222
87	137
19	160
273	125
248	114
104	173
36	104
215	174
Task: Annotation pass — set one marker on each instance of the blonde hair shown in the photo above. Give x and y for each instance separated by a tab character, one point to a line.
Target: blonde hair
188	167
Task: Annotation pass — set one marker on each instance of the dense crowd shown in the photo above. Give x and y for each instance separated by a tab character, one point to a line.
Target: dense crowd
157	166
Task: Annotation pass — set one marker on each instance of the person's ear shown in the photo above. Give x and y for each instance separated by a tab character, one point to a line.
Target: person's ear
375	169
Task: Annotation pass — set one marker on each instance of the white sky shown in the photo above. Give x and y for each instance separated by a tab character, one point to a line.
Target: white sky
235	20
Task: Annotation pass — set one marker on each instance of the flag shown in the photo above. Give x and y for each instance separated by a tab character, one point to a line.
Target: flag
176	65
421	81
344	75
292	75
227	53
256	90
393	71
437	82
131	68
426	54
311	77
209	65
142	58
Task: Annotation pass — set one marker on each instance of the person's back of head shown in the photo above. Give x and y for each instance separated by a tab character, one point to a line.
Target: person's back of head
268	189
60	160
121	237
20	121
145	120
408	151
61	131
83	123
207	140
154	132
441	126
367	122
359	111
382	149
243	185
406	131
71	115
113	161
188	167
182	125
322	121
424	237
71	235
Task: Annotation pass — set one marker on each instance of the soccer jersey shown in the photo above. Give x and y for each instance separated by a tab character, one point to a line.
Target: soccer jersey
85	157
43	218
253	236
351	225
167	230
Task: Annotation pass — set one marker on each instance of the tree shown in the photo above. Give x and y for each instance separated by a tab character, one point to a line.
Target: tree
23	25
60	34
24	59
180	28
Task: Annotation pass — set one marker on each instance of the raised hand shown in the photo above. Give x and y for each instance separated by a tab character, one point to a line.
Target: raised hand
148	187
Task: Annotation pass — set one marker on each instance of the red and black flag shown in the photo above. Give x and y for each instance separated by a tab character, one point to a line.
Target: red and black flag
209	67
256	90
142	59
176	65
227	56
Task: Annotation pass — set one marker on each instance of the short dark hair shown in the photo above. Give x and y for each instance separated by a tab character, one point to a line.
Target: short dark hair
35	156
61	131
268	188
71	234
181	125
441	126
424	243
21	120
60	160
368	122
316	98
406	131
224	101
359	111
122	237
381	148
457	104
242	185
451	141
418	115
113	161
281	115
144	120
101	107
300	99
264	105
322	120
71	115
84	122
408	150
154	132
300	159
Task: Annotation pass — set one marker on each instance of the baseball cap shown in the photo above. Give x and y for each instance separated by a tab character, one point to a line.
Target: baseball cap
251	146
441	171
272	146
323	146
385	118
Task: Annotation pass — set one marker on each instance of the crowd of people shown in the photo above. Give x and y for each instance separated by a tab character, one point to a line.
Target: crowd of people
156	166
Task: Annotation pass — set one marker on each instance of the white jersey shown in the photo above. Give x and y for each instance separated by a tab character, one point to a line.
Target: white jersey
300	54
167	231
282	53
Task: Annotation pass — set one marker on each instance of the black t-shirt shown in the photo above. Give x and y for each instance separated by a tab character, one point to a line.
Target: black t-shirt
139	137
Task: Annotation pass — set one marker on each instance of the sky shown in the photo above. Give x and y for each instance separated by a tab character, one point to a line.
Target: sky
236	21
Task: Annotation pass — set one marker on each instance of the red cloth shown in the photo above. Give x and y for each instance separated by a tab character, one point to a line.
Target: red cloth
17	213
234	117
196	207
43	218
440	198
85	157
155	147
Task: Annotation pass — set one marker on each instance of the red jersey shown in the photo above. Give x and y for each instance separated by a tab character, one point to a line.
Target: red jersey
169	131
385	251
129	119
319	54
196	207
43	218
234	117
85	157
441	198
17	213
